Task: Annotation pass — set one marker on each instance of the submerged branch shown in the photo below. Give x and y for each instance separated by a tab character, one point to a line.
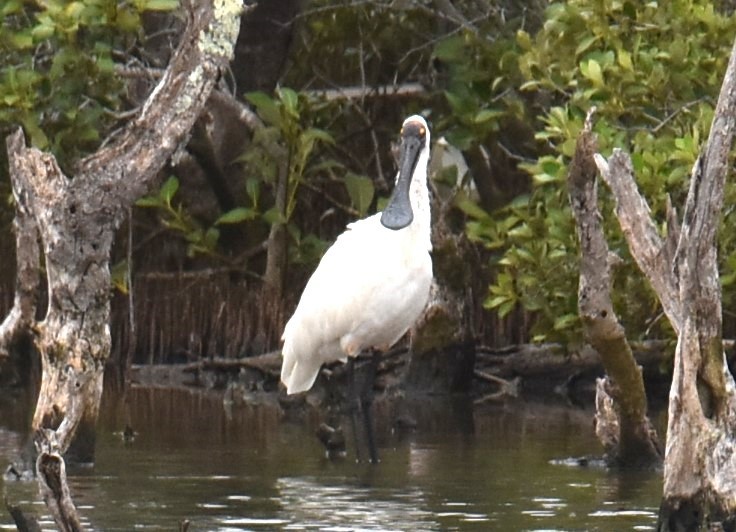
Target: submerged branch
23	522
52	481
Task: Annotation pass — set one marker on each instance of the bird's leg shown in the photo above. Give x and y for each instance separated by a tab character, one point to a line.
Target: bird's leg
366	401
354	402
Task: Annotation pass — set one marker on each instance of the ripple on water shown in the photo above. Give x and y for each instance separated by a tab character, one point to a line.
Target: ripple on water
305	501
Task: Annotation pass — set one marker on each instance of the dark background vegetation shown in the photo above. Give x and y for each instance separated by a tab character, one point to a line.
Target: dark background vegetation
506	83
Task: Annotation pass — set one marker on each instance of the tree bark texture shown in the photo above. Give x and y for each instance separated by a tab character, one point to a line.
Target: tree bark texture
700	455
442	341
16	327
624	428
76	220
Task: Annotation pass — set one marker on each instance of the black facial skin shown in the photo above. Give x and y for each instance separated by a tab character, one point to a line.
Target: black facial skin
398	213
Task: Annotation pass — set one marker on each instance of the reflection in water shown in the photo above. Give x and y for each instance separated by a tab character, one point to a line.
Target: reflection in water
227	468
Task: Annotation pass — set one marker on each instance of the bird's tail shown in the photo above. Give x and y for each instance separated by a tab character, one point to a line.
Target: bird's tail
298	375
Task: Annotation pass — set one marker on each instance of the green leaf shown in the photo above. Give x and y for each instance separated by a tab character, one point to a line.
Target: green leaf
253	189
542	178
486	114
506	308
591	69
361	191
266	107
73	10
585	44
211	237
38	137
524	40
318	134
565	321
624	59
10	7
23	39
460	105
290	100
451	49
471	208
274	216
127	20
521	231
237	215
119	276
149	201
168	189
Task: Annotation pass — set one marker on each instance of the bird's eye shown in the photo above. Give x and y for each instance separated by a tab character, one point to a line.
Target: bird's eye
422	131
402	131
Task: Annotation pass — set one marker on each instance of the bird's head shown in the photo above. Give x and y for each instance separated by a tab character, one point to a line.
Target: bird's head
415	128
414	144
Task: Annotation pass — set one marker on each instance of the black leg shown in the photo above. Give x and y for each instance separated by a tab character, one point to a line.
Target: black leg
366	401
354	405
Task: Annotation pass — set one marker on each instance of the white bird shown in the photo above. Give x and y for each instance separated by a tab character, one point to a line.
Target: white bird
373	282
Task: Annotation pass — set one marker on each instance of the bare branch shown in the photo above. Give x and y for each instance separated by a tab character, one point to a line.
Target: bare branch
172	107
647	247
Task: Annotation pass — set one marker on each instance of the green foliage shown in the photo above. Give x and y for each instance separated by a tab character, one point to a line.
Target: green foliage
120	275
654	91
287	145
361	191
200	239
58	79
284	140
354	43
481	94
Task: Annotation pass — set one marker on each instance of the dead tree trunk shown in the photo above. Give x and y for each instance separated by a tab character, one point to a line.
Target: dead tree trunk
622	424
15	330
442	341
700	455
76	220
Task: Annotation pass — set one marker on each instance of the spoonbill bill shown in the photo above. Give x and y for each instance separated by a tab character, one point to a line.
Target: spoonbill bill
370	286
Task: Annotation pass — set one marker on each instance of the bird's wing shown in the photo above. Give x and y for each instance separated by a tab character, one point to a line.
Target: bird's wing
361	278
327	309
348	273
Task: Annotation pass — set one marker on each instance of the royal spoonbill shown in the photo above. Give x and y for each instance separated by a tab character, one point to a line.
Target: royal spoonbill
372	283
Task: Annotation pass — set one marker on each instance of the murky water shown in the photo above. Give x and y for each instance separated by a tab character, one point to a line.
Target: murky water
226	469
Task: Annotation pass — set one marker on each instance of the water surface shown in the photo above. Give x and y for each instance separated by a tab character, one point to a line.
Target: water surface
229	468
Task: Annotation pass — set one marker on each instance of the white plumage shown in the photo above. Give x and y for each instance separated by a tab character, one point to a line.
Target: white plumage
372	284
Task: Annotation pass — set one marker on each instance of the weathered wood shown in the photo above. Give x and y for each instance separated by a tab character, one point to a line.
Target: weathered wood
651	253
623	410
76	220
51	445
52	481
700	456
18	321
441	342
537	361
